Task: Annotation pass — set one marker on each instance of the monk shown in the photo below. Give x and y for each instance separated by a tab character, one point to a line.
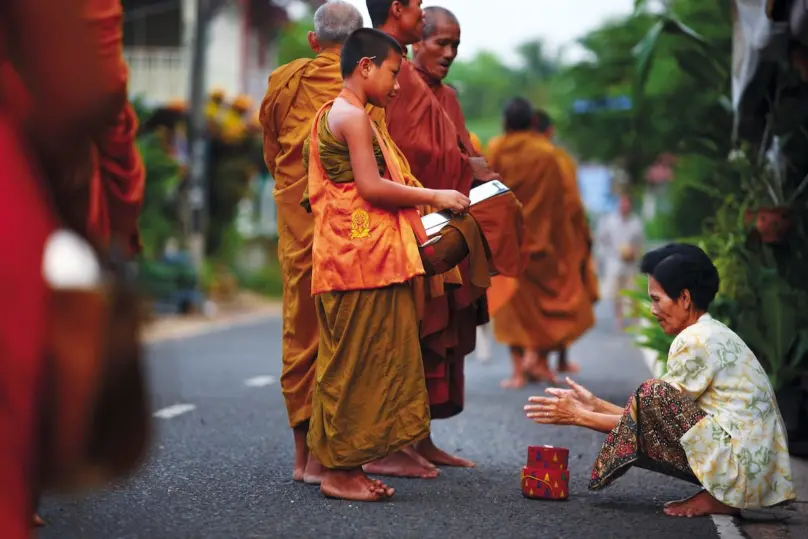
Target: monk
295	93
431	144
369	395
45	105
538	313
580	262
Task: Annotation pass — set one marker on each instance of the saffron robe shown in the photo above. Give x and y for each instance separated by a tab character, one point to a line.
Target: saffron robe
537	310
430	142
370	396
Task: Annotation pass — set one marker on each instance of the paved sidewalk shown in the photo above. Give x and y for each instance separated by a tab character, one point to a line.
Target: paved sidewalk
245	308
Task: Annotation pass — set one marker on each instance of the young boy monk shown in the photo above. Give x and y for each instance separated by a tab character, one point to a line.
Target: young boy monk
369	395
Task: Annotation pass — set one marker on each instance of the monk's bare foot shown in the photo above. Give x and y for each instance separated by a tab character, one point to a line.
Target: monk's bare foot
431	452
354	485
568	367
514	382
301	453
537	367
37	521
416	456
700	505
313	474
399	464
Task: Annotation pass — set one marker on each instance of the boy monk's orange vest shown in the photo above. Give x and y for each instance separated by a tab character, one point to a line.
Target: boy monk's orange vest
358	246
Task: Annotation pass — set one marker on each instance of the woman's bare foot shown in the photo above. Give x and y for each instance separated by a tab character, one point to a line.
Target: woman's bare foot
399	464
37	521
354	485
301	453
313	474
433	454
700	505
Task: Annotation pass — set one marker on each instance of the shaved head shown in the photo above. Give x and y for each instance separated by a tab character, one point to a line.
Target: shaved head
544	122
334	21
433	16
379	10
518	114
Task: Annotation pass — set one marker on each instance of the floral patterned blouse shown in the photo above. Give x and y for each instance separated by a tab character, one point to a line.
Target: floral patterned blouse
739	452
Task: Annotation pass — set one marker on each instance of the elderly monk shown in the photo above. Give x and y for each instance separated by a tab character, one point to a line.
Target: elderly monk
296	92
537	312
43	104
579	262
431	143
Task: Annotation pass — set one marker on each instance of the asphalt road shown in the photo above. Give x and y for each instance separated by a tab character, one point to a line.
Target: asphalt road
223	469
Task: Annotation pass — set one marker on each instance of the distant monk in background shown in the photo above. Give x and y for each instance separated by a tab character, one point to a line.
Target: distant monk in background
536	312
295	93
581	278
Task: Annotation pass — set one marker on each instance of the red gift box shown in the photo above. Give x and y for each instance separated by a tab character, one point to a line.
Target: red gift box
548	457
545	483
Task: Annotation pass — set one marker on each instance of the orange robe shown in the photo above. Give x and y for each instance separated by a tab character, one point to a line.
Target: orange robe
580	224
295	93
432	145
476	143
539	310
100	191
118	176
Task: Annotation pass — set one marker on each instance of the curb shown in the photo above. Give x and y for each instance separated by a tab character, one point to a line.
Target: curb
183	327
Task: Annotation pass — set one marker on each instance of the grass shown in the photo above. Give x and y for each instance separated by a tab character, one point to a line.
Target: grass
485	128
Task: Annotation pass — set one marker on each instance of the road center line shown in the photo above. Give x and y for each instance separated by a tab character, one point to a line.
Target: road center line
259	381
727	527
174	410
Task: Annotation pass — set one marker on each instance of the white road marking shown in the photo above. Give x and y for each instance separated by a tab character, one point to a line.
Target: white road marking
259	381
174	410
725	525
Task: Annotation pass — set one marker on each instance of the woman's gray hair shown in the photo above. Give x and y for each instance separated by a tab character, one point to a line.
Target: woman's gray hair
335	20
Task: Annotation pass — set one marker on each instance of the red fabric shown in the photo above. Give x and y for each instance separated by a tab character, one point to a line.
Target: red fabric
117	184
25	223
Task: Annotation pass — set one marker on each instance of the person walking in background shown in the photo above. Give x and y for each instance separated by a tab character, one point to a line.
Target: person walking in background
620	238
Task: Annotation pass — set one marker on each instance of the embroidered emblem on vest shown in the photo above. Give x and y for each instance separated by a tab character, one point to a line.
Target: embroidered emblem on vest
360	225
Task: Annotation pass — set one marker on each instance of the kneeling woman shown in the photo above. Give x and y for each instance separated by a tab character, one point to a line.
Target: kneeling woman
711	420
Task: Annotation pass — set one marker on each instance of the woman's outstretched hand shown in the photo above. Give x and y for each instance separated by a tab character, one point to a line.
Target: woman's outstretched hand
563	407
585	398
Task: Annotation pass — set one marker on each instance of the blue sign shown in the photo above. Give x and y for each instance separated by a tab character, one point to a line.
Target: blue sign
584	106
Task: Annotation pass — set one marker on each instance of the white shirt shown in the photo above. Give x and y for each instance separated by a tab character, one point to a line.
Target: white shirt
616	232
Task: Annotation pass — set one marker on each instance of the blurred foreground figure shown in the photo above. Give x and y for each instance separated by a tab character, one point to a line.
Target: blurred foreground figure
62	322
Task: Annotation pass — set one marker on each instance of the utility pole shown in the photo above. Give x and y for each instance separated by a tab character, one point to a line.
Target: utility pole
197	135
